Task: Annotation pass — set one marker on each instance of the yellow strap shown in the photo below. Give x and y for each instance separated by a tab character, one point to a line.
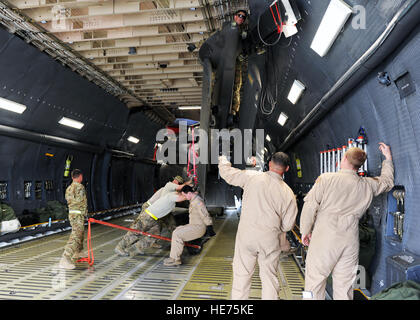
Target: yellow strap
151	214
75	211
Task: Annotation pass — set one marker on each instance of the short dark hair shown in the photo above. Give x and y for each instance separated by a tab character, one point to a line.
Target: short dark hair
187	188
281	159
76	173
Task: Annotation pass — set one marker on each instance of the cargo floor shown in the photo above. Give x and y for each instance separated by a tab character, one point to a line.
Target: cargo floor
28	271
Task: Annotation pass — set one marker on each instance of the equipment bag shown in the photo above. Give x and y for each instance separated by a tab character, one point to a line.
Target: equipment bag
408	290
8	220
58	209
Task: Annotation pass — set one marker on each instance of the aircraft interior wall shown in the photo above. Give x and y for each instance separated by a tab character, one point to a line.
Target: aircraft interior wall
387	117
51	91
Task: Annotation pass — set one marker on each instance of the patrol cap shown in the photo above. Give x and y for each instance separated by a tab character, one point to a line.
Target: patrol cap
179	179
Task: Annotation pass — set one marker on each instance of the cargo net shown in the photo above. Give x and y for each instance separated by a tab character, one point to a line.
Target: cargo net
330	160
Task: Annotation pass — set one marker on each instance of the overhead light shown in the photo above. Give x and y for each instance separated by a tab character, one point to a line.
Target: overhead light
266	150
333	21
43	21
190	108
192	9
71	123
282	119
12	106
268	138
296	91
133	139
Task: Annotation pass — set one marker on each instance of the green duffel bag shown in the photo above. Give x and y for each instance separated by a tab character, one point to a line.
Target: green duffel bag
60	210
408	290
45	214
6	212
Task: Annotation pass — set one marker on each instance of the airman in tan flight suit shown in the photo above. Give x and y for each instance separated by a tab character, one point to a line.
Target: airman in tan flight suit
268	209
199	221
329	222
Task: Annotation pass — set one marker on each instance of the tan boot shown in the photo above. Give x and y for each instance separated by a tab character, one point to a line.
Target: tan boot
156	245
171	262
120	251
80	255
137	251
66	263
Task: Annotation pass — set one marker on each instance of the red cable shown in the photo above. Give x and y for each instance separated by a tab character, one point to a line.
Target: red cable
194	155
279	27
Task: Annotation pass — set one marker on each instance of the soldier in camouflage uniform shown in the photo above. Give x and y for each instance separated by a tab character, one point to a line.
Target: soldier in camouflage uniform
77	203
239	20
148	221
144	222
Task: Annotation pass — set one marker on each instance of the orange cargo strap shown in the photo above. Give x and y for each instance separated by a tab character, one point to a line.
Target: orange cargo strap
279	26
191	150
90	258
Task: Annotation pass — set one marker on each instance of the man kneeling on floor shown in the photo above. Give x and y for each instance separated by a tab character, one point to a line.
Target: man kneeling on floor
199	222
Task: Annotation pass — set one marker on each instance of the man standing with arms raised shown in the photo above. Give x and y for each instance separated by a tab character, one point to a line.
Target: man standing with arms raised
268	209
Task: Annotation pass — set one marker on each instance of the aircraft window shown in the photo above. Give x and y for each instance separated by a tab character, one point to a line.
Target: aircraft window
3	190
38	190
49	189
27	187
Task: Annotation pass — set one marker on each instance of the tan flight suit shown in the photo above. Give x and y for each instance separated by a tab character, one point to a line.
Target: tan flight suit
199	219
333	208
77	203
268	209
284	243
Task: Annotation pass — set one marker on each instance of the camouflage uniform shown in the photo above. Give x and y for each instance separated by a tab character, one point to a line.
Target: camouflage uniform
239	66
142	222
236	103
77	202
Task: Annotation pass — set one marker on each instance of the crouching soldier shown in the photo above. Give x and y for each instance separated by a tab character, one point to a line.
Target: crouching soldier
148	221
199	222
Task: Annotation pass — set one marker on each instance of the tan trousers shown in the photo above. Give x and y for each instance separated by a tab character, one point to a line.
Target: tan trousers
248	250
331	257
284	243
184	233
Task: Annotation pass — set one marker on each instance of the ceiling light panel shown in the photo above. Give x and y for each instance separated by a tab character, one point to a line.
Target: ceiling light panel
333	21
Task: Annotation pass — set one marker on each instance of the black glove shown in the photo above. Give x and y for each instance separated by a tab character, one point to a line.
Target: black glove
210	232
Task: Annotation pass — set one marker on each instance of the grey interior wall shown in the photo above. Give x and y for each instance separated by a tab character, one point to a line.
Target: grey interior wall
386	117
51	91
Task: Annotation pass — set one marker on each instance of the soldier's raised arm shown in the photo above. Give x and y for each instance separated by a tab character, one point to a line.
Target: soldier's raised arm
385	182
233	176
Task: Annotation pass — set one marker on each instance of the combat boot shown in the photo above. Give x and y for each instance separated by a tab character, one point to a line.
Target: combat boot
80	255
137	250
120	251
66	263
156	245
171	262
